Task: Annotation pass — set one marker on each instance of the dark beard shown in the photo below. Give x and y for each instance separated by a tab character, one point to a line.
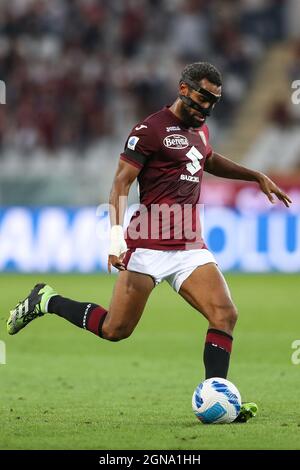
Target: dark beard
188	119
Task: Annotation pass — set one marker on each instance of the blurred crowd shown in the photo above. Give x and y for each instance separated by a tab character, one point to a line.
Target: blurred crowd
77	71
277	147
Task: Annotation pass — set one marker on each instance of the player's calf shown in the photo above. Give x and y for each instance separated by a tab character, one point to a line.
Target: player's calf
86	315
218	344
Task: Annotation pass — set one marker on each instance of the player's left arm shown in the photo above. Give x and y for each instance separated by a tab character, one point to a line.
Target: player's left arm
221	166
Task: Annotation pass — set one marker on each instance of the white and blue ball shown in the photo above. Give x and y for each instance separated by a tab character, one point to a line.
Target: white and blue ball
216	400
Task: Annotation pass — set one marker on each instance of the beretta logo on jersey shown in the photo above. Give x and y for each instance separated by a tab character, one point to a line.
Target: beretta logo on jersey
176	141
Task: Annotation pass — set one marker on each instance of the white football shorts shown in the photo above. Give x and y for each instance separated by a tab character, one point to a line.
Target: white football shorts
171	266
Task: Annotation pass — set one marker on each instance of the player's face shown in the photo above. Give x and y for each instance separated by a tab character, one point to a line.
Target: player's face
192	117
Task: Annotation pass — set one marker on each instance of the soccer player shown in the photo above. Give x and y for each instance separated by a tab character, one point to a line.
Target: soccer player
167	153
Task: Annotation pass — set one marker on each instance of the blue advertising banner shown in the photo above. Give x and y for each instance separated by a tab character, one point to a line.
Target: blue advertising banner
67	240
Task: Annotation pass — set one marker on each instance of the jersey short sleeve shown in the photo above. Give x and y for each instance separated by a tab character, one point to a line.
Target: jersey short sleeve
140	145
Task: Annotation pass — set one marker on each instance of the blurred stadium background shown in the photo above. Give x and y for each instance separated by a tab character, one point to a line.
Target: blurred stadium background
79	74
75	88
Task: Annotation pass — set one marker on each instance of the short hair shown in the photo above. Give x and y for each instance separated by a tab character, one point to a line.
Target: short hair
199	70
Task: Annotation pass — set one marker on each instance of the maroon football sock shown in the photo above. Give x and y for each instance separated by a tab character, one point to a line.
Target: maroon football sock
217	351
85	315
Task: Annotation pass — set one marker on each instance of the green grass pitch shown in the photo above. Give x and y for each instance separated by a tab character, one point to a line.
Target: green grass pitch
63	388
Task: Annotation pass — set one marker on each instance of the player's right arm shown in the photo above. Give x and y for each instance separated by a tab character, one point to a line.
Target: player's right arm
141	144
124	177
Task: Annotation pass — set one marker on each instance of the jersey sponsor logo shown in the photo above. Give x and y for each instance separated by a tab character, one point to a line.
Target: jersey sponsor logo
192	179
173	128
142	126
195	156
176	141
132	141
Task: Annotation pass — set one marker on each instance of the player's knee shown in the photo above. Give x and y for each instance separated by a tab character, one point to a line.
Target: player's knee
232	316
225	316
116	333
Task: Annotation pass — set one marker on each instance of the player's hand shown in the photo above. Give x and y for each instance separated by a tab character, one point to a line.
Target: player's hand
116	261
269	188
117	248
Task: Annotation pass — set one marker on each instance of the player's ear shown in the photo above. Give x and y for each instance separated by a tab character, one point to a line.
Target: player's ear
183	89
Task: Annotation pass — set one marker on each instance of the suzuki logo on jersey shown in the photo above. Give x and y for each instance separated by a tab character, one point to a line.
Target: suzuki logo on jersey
193	179
133	140
173	128
192	167
176	141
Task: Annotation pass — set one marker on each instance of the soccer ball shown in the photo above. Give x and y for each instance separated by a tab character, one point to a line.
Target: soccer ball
216	400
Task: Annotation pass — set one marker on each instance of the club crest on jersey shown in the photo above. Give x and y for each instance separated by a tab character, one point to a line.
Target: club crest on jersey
176	141
132	141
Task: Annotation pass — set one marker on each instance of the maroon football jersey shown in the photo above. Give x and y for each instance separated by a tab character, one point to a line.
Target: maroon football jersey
171	158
